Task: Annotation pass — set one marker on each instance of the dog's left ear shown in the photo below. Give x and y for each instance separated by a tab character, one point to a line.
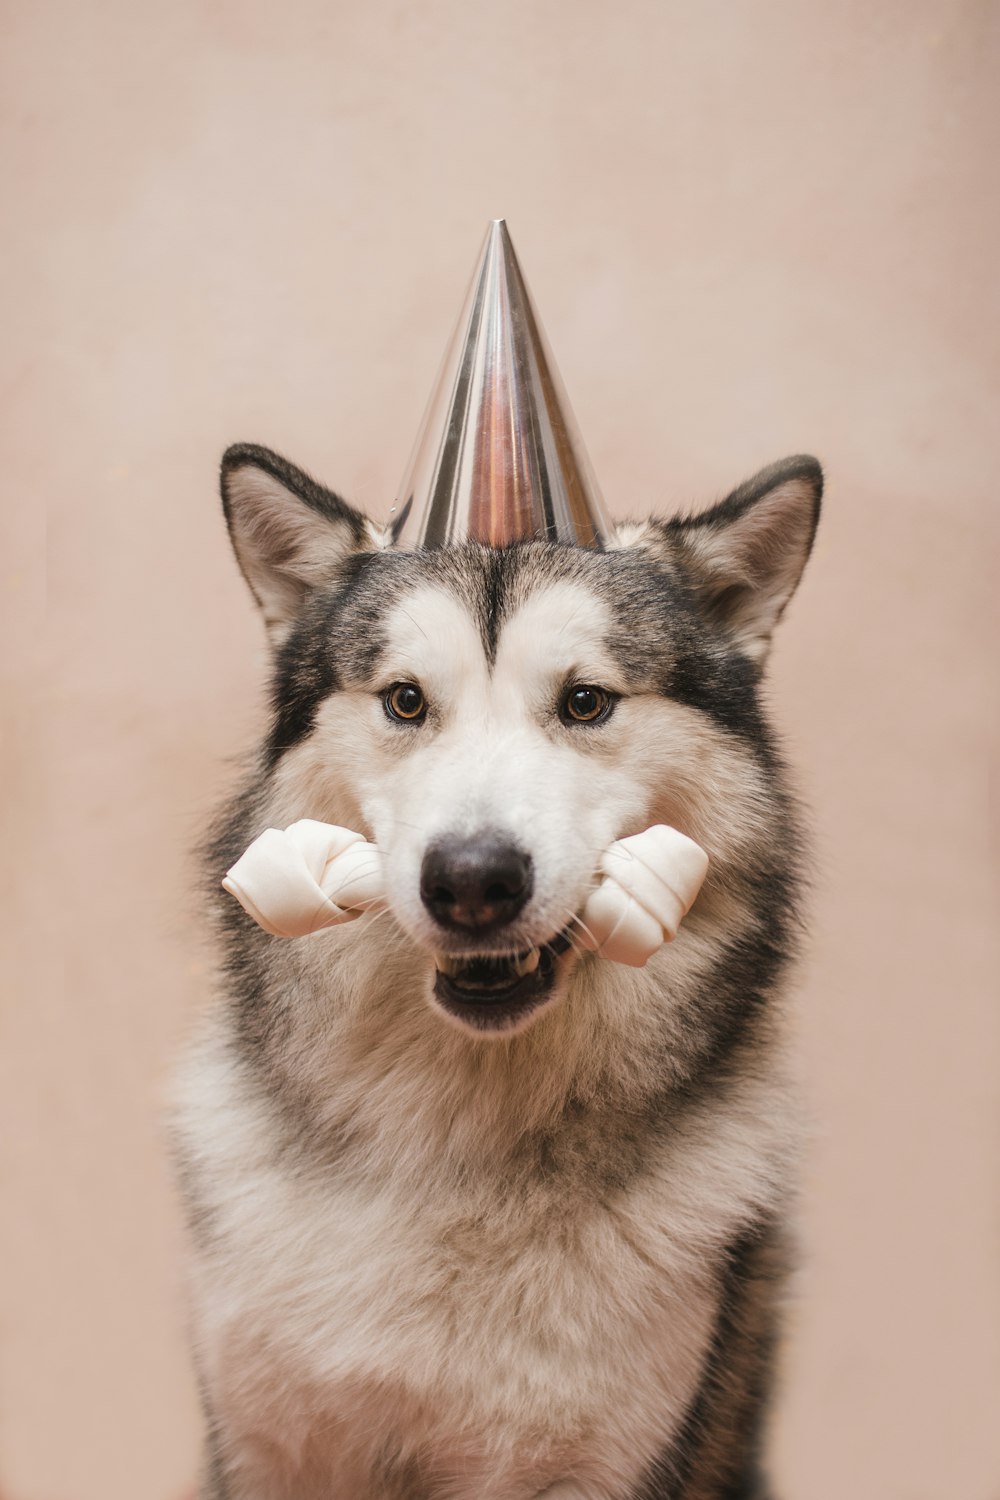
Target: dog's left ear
745	556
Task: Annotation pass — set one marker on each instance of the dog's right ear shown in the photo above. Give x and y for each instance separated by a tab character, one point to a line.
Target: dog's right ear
290	534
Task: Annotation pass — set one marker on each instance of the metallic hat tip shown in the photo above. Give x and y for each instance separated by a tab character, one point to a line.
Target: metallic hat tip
499	458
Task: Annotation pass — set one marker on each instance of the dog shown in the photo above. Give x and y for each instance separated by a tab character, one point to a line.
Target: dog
472	1214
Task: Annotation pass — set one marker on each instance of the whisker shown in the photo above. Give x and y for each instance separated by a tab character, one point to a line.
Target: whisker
413	622
368	919
575	946
582	924
420	827
333	892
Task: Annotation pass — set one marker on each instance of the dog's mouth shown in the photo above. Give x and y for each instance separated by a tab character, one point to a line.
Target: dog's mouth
494	992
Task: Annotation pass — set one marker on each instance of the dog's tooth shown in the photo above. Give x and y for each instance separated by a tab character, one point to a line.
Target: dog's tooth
528	964
447	964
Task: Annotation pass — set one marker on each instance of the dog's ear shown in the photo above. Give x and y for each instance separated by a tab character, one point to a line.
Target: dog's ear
744	557
289	534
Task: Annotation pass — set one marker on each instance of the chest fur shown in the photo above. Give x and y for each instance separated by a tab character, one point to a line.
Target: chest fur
383	1315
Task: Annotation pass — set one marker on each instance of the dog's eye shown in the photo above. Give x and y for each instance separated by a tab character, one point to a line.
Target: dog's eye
405	701
584	704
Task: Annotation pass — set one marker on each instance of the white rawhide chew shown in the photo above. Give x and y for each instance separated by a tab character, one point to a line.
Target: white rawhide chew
311	876
315	875
649	886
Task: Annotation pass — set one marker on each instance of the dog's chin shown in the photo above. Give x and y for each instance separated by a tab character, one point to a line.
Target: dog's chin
495	995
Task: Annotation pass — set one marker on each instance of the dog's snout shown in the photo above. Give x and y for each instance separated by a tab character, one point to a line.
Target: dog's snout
476	883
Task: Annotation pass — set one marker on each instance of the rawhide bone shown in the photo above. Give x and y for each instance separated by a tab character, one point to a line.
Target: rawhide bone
315	875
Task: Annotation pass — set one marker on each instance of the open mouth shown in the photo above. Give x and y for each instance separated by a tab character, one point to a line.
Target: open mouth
493	992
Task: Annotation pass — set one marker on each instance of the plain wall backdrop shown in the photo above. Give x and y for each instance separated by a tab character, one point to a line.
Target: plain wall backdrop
751	229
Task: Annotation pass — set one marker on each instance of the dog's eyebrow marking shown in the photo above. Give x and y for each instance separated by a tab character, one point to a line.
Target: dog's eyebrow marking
572	618
557	629
416	625
434	635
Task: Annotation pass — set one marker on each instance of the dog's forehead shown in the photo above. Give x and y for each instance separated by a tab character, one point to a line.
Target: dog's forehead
430	630
478	606
563	621
447	623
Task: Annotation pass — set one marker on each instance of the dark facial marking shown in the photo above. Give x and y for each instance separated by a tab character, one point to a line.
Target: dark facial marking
337	641
658	639
303	676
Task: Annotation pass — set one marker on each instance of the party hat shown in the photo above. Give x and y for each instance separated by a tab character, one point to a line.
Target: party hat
499	458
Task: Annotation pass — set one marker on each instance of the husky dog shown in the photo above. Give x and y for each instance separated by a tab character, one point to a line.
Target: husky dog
474	1215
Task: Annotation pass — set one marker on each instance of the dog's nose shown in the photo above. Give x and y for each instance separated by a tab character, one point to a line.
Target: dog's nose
475	883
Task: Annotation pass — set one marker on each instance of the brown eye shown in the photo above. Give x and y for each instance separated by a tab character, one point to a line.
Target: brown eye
405	701
584	704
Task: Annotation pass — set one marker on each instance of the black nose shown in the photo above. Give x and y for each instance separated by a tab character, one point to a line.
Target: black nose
477	882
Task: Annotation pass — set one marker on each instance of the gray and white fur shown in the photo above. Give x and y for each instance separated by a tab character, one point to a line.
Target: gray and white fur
448	1249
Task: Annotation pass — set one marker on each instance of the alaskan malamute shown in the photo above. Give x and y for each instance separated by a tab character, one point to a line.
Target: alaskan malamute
475	1216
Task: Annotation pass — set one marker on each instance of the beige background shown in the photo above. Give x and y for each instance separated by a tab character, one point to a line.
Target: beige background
751	229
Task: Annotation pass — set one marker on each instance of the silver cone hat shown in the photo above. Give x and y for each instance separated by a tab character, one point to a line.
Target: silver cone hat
499	458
